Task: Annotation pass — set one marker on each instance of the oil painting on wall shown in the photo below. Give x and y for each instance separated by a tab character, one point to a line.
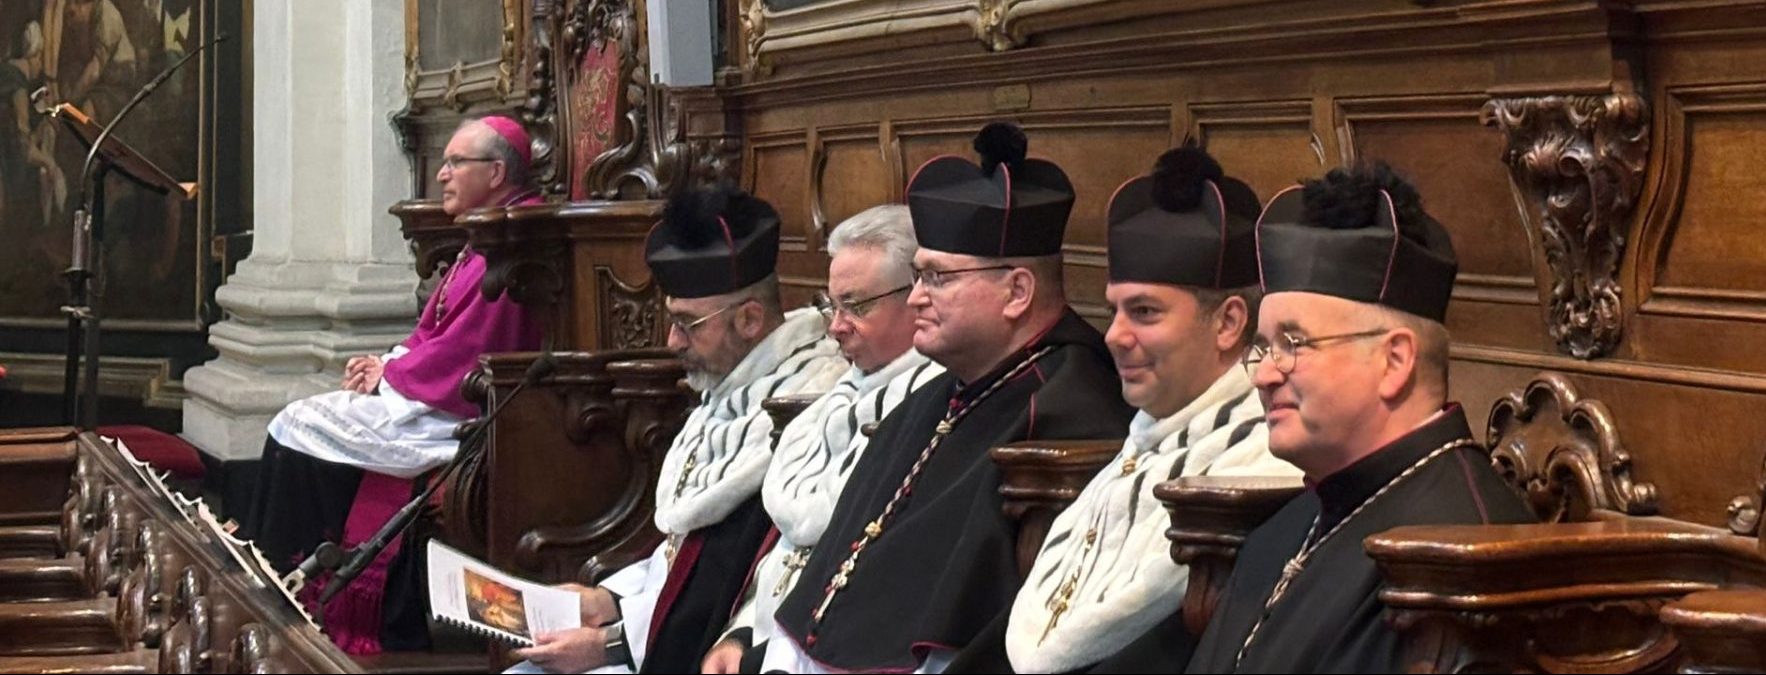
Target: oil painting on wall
95	54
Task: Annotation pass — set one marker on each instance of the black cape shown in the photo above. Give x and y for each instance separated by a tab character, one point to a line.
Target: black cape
705	586
1331	619
946	563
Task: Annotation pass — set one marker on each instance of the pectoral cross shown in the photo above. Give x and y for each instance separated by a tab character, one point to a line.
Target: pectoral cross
1061	601
793	564
1060	607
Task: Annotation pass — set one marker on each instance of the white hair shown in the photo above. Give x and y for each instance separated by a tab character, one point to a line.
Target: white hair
887	228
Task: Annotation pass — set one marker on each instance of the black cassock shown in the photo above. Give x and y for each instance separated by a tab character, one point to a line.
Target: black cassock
704	587
946	562
1331	618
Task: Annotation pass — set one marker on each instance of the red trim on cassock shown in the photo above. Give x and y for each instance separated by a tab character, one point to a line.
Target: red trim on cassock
766	546
678	573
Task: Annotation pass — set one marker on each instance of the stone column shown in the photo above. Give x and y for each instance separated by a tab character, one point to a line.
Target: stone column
329	275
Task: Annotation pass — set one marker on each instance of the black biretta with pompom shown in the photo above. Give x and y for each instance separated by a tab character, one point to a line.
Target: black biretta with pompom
1185	224
712	241
1008	206
1360	234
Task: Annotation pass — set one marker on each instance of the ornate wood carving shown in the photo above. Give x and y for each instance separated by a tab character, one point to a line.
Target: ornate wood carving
540	111
544	254
1578	163
1744	511
531	275
1210	518
430	233
571	423
1040	479
251	649
177	587
656	405
1573	597
1564	453
656	142
632	316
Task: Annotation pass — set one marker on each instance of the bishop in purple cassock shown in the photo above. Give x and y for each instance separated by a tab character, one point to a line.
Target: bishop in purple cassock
336	466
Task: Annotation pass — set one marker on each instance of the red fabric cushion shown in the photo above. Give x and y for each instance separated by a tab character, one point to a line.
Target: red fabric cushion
161	450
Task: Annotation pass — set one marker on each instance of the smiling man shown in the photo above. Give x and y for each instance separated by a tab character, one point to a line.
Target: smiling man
1350	359
1183	285
917	556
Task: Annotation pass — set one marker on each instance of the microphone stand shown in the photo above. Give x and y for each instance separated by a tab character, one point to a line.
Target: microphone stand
330	556
85	274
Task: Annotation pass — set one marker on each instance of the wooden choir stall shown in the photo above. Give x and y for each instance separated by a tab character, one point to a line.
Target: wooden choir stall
1596	162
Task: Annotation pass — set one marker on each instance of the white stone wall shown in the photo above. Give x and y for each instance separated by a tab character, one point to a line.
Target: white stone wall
329	275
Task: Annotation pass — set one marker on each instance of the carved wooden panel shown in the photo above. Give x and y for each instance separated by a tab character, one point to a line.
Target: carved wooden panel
777	168
1269	145
865	175
633	315
1564	454
1578	165
1437	142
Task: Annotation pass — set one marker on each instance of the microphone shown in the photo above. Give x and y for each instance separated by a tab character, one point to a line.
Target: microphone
365	553
326	557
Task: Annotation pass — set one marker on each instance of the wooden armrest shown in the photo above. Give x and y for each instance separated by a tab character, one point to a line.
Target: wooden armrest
783	409
1039	479
1210	518
1720	631
599	567
1582	596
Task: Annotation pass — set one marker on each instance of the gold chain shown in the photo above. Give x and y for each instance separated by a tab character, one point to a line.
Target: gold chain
1294	566
874	529
1061	601
680	487
441	294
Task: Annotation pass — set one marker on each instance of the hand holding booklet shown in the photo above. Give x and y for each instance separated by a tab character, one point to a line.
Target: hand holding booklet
470	594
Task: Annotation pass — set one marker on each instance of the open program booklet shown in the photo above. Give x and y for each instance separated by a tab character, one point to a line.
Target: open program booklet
472	595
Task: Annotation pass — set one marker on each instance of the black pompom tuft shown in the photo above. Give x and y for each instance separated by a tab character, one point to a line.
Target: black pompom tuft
1001	143
1180	176
691	219
1348	199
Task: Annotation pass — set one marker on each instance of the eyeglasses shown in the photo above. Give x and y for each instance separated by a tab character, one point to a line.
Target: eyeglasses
856	309
686	324
453	163
1286	352
938	278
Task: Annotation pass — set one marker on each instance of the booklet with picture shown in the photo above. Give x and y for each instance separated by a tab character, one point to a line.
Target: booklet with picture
468	593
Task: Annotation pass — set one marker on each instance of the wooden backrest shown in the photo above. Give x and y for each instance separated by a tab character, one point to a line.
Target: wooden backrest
1581	590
